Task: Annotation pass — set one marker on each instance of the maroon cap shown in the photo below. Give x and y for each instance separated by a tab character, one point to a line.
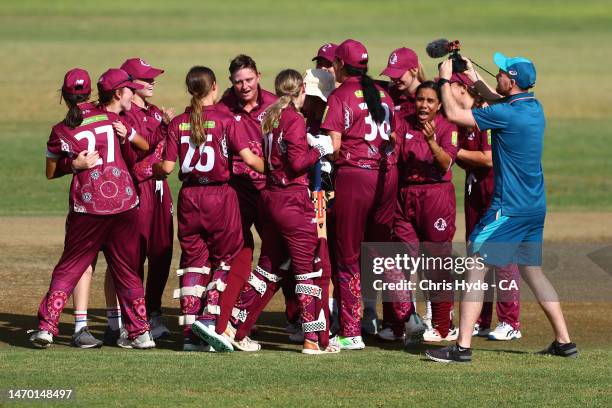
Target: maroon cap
462	78
327	52
400	61
139	69
116	78
77	82
353	53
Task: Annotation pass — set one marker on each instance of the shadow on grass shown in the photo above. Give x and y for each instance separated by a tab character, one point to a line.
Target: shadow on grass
14	327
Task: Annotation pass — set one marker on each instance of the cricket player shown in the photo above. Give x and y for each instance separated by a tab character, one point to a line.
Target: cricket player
202	139
512	228
359	120
103	214
426	209
247	102
155	211
406	74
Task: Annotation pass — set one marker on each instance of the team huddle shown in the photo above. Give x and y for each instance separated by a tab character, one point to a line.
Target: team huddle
332	159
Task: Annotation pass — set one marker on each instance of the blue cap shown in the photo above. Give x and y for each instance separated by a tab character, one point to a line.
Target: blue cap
520	69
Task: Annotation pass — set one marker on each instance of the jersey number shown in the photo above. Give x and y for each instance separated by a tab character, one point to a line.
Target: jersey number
91	141
205	151
384	129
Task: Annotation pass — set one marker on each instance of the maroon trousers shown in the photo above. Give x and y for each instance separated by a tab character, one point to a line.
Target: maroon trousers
363	211
156	235
116	236
210	235
288	232
426	214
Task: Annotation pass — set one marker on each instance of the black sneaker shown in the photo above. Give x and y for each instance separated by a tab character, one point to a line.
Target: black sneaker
561	350
449	354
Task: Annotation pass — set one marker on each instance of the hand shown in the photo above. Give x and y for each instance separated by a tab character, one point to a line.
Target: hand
86	160
158	172
470	71
429	131
321	142
120	129
168	115
446	69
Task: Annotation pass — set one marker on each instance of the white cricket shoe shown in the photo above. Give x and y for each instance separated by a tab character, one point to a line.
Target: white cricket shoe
41	338
387	334
480	332
246	344
434	336
206	331
347	343
142	342
504	332
158	326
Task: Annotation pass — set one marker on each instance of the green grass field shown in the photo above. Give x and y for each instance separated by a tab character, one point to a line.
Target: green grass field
40	40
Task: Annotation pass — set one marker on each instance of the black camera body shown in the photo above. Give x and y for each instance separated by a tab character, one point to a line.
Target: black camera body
442	47
459	65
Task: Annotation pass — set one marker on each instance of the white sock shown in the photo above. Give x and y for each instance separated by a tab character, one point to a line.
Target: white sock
80	319
114	318
428	312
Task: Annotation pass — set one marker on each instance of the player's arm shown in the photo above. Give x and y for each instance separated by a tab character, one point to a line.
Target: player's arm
454	112
336	138
475	158
252	160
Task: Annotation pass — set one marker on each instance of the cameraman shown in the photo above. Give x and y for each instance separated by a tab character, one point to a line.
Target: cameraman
515	219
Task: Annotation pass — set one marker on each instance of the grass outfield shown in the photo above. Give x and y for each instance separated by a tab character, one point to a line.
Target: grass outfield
40	40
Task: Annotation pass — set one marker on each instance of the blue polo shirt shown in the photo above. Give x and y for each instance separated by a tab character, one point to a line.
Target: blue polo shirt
517	136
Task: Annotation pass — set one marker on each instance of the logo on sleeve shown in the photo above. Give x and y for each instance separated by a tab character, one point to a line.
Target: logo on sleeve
440	224
409	136
489	136
454	138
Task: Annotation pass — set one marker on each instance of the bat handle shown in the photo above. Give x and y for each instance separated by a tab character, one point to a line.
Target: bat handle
317	176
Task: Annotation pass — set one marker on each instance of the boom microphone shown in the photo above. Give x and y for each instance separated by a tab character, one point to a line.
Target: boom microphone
438	48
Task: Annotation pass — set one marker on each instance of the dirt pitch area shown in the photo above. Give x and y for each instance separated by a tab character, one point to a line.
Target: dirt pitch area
30	247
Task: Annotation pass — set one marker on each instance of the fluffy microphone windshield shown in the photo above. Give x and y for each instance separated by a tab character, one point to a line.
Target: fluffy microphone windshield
437	48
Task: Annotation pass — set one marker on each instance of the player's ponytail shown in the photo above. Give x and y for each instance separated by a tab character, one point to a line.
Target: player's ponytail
371	94
199	81
74	116
287	85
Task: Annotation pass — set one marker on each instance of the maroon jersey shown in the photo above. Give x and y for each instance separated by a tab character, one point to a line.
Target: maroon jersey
416	163
480	178
148	123
248	124
287	154
365	144
208	163
106	188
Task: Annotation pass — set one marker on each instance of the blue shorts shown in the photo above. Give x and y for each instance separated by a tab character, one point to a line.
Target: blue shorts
502	239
